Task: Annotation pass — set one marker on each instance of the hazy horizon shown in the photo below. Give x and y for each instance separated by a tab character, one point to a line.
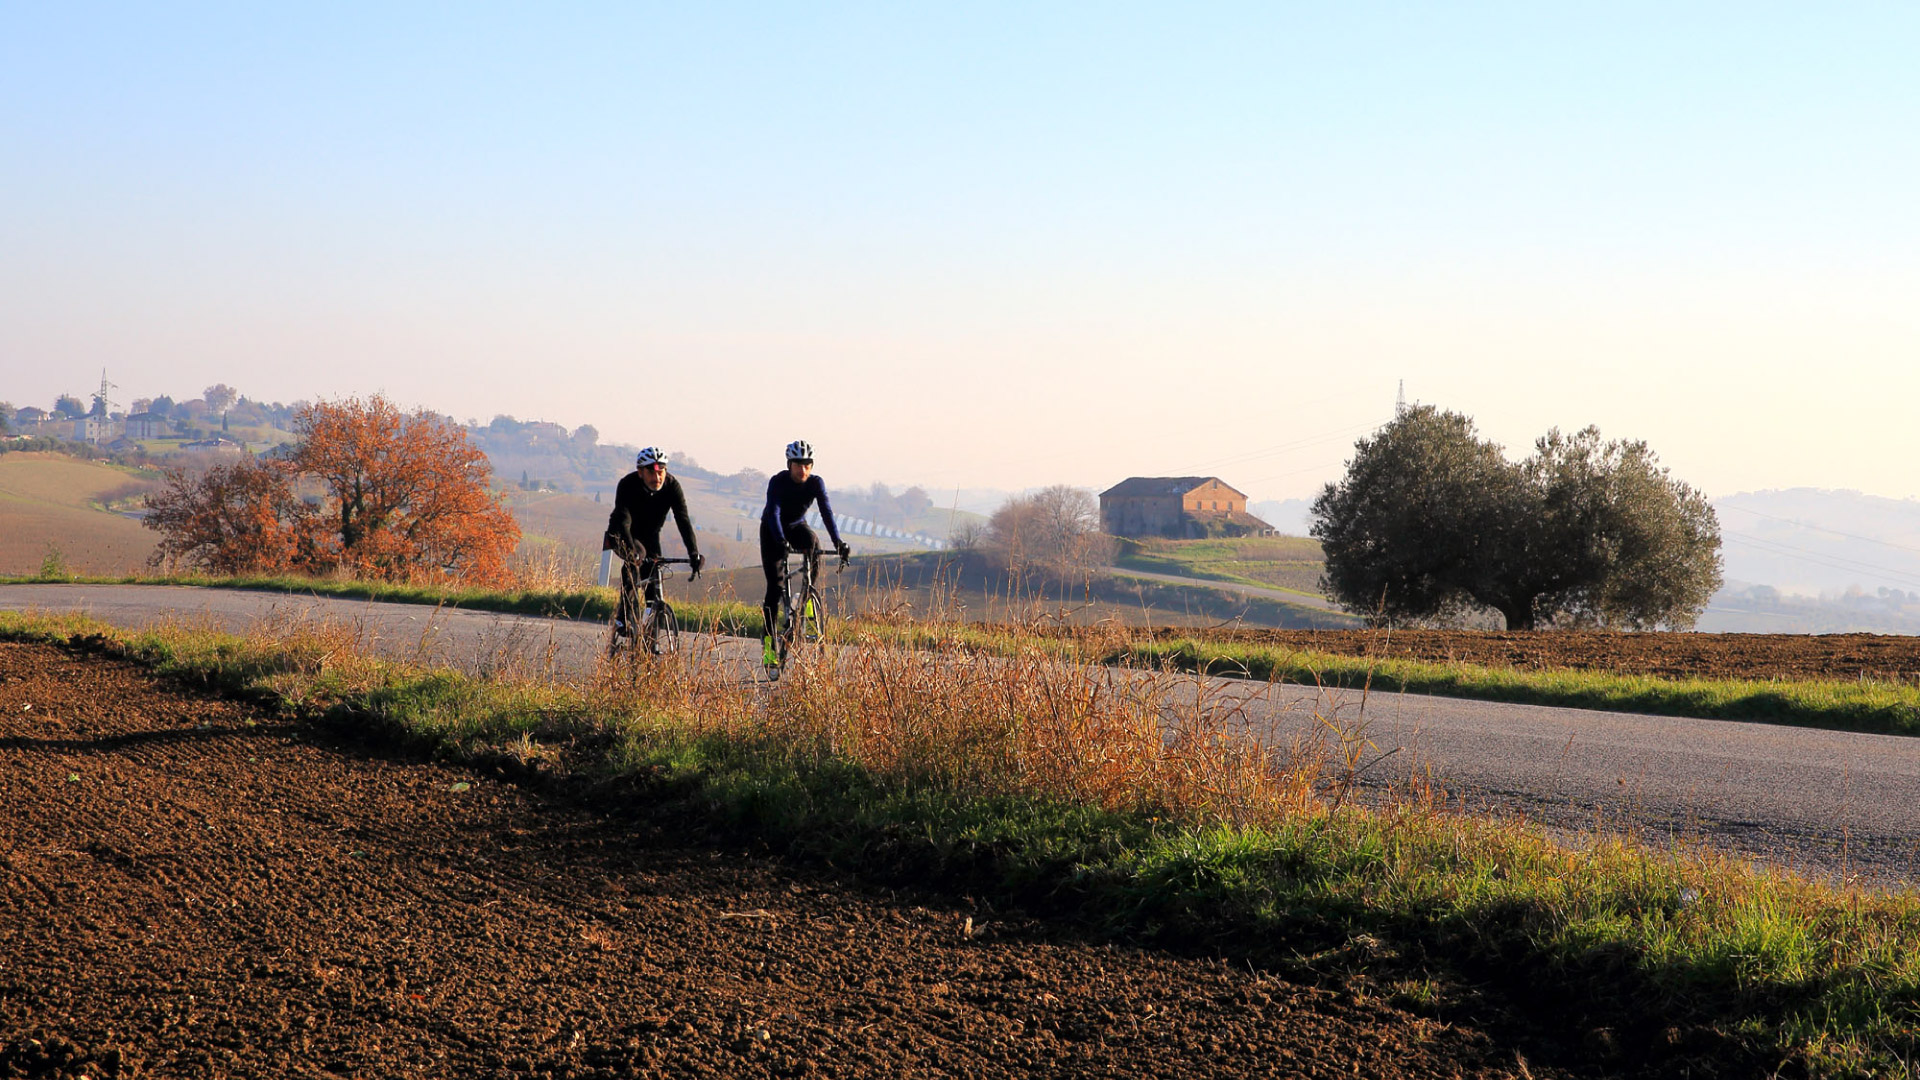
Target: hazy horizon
998	246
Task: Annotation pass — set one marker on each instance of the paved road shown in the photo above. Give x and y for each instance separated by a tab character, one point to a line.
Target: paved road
1828	802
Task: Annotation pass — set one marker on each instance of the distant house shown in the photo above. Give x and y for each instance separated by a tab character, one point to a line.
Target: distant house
146	425
1186	507
92	429
538	432
29	415
217	444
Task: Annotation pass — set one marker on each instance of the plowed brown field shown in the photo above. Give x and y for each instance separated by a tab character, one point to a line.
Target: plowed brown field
1670	655
190	887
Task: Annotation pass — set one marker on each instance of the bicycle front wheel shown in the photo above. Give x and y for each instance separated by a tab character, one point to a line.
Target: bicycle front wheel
787	637
814	618
663	630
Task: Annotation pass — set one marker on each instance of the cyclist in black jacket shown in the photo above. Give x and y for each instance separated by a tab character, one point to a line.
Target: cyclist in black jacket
641	503
783	528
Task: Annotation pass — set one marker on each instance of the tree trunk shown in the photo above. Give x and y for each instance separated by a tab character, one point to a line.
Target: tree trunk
1519	614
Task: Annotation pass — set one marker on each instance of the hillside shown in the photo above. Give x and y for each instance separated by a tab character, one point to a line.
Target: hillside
972	587
1291	563
1812	542
51	502
560	531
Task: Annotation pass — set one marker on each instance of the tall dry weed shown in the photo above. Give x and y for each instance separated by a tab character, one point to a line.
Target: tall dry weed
553	567
1039	722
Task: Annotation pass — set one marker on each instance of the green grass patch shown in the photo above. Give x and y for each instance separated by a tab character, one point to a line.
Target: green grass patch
1854	705
1707	958
1269	562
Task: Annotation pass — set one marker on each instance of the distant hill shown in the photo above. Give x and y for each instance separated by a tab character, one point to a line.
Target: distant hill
537	456
1810	542
52	502
971	587
1808	560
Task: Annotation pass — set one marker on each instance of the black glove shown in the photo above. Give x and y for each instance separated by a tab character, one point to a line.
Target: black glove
699	562
844	551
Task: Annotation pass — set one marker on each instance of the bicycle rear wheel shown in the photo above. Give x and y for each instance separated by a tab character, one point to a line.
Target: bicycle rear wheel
626	617
619	634
784	637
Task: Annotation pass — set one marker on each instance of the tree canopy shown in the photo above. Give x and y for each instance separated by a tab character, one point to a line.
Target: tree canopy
219	397
1431	521
404	495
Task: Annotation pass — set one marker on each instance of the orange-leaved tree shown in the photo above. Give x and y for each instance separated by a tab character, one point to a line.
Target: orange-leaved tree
405	496
242	518
407	492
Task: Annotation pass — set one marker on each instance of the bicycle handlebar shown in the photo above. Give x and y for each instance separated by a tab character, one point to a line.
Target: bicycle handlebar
839	564
657	563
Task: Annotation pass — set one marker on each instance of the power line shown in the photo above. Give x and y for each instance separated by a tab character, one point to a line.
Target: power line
1824	529
1831	562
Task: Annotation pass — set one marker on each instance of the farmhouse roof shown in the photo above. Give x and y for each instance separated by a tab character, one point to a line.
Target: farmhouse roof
1162	486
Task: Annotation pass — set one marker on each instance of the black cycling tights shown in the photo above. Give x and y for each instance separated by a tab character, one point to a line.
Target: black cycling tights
800	538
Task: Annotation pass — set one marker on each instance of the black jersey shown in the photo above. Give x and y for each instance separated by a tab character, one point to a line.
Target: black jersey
639	513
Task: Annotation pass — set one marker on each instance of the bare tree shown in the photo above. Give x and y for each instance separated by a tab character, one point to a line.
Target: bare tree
967	537
1056	529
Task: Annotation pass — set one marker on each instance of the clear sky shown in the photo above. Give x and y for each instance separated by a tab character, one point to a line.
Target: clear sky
991	245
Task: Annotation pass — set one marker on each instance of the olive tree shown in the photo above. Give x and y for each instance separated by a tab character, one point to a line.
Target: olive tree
1405	529
1430	521
1640	548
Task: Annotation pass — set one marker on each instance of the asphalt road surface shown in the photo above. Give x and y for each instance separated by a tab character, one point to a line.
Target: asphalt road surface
1830	803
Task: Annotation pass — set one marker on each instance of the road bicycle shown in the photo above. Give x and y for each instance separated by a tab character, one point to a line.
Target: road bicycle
800	617
651	625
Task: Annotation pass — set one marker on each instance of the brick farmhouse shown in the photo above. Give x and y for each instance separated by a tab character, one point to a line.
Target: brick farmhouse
1183	507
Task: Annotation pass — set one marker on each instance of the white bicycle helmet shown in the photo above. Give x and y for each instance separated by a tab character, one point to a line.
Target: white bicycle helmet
651	455
800	450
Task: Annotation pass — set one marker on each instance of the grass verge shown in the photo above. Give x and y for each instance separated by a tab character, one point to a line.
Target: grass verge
1047	782
1879	707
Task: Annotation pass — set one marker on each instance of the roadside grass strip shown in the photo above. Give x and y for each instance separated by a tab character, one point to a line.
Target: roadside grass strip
1875	706
1130	805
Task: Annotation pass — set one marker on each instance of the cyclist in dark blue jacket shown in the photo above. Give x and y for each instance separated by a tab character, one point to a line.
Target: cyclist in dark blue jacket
783	528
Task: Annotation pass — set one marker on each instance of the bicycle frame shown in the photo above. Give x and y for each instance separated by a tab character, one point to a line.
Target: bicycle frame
654	624
799	617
